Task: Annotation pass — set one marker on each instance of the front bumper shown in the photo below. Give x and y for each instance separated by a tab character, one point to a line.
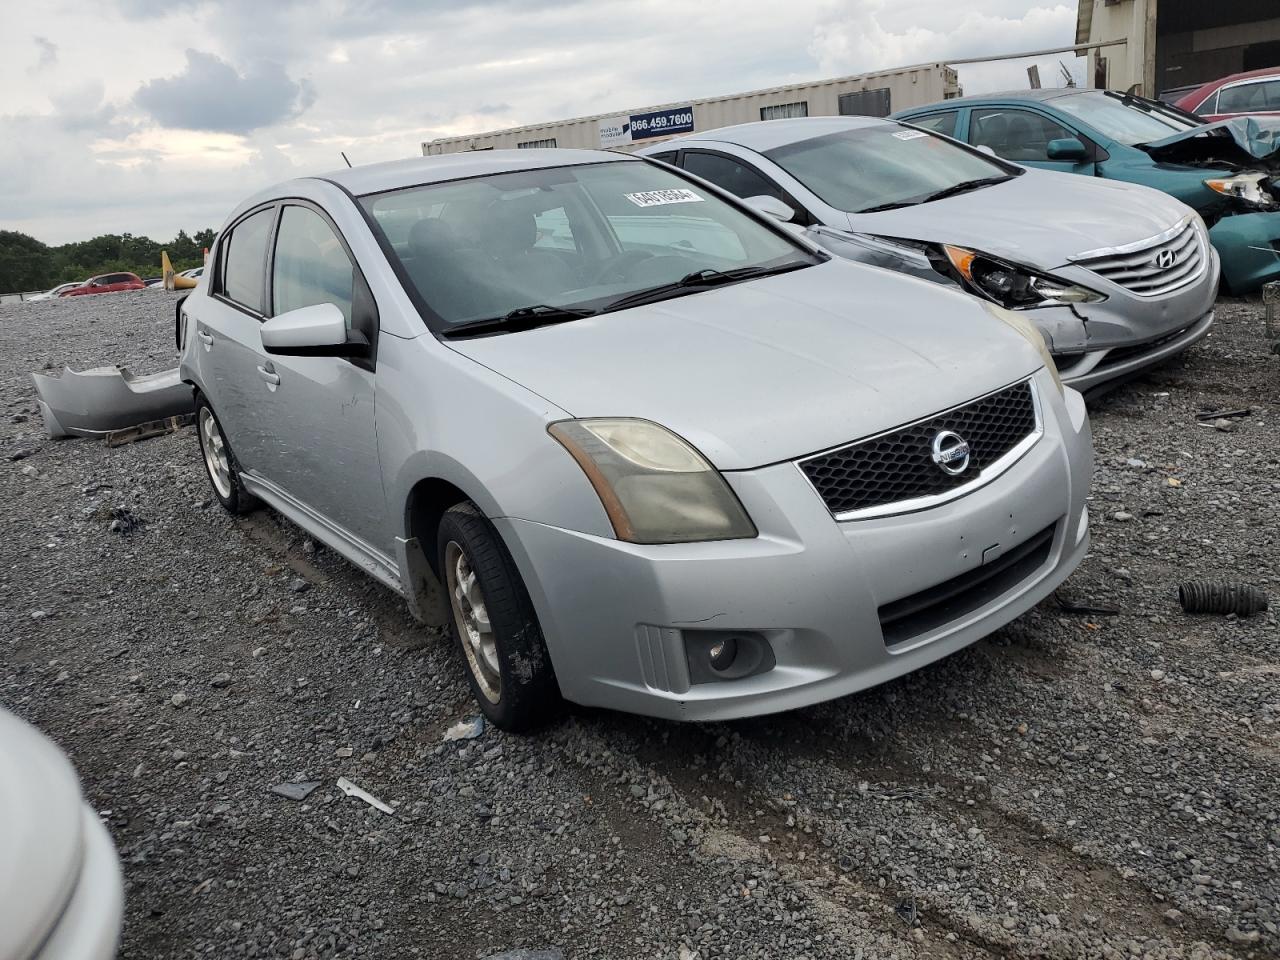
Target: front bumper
617	615
1249	246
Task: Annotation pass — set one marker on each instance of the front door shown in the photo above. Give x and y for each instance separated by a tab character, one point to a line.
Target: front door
315	434
1023	136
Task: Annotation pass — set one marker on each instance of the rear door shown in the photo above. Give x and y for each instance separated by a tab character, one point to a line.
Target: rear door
226	324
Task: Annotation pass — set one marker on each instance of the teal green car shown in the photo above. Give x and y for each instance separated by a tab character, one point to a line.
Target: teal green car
1222	170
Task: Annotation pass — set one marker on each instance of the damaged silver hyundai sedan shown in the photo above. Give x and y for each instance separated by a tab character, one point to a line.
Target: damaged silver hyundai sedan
635	444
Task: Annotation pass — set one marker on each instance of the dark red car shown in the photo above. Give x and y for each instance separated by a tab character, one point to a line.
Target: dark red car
107	283
1256	93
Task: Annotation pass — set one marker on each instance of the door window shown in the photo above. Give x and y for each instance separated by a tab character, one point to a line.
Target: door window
310	265
1017	135
943	123
728	174
1250	97
244	256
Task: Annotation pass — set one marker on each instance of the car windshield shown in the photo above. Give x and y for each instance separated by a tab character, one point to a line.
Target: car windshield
1125	119
883	166
575	237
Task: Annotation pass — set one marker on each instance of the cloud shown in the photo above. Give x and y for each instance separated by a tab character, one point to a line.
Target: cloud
210	95
48	54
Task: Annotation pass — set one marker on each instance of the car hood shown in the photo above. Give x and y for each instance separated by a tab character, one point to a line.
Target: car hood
1040	219
772	369
1239	142
41	836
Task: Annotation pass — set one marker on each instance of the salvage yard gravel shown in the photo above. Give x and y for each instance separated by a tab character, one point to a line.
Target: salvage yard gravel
1098	779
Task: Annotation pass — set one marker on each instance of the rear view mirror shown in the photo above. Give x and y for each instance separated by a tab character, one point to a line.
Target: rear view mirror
1067	149
771	207
315	331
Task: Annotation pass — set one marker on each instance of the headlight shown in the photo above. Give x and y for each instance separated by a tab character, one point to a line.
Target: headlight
1011	285
1245	186
654	486
1032	336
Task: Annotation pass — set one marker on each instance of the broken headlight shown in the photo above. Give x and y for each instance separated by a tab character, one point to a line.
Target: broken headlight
1011	285
1246	187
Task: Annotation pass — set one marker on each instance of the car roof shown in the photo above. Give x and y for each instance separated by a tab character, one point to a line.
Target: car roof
1039	96
1247	75
377	177
763	135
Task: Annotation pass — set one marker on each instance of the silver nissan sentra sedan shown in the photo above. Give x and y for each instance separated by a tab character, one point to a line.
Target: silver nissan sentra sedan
1116	276
634	443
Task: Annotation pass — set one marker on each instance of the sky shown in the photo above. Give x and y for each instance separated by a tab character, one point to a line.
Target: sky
150	116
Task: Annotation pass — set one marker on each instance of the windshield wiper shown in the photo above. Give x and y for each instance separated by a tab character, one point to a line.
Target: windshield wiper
521	318
964	186
896	205
699	280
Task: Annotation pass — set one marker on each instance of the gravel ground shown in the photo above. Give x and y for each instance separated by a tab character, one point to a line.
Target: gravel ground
1073	786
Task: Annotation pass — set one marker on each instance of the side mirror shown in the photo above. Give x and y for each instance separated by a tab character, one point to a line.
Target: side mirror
1068	149
315	331
771	207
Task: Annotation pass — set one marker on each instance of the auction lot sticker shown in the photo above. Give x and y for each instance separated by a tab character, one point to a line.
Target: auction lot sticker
656	198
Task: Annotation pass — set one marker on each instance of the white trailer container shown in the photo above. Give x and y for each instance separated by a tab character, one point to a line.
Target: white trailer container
868	94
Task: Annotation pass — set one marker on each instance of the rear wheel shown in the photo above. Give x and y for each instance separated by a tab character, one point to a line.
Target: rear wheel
494	623
220	462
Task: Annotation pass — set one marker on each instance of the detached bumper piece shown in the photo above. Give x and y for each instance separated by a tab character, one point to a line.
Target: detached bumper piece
104	400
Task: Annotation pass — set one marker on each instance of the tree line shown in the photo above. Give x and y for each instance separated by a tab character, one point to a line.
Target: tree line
27	264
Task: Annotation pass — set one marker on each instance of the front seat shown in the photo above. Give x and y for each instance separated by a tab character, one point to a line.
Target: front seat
452	275
538	274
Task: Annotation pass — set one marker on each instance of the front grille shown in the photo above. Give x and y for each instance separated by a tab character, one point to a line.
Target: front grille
898	466
1154	267
922	612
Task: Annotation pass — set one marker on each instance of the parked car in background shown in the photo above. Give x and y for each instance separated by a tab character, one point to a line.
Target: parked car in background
1079	257
107	283
194	274
1223	171
61	894
1252	94
57	291
640	446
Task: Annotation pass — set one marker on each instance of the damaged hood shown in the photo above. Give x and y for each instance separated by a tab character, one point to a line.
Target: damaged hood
1240	141
1039	219
771	369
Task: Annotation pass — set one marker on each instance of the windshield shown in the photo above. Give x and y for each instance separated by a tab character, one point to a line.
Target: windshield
579	236
887	164
1127	120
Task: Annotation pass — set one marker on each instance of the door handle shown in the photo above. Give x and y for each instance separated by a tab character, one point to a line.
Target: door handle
270	375
205	338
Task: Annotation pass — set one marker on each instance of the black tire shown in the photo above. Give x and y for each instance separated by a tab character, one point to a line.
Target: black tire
237	499
528	694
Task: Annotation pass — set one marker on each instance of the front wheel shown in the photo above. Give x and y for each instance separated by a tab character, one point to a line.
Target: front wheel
494	623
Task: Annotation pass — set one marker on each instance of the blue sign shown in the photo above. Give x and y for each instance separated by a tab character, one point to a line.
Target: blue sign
644	126
662	123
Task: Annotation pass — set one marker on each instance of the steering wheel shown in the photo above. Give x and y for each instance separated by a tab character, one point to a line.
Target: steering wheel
619	267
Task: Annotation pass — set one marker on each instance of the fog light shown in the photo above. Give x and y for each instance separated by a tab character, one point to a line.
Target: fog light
722	653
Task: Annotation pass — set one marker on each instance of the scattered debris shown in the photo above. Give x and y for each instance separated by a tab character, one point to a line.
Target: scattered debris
123	521
465	729
220	680
152	428
351	790
1068	606
1224	414
551	954
179	700
906	911
296	791
298	585
1221	596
